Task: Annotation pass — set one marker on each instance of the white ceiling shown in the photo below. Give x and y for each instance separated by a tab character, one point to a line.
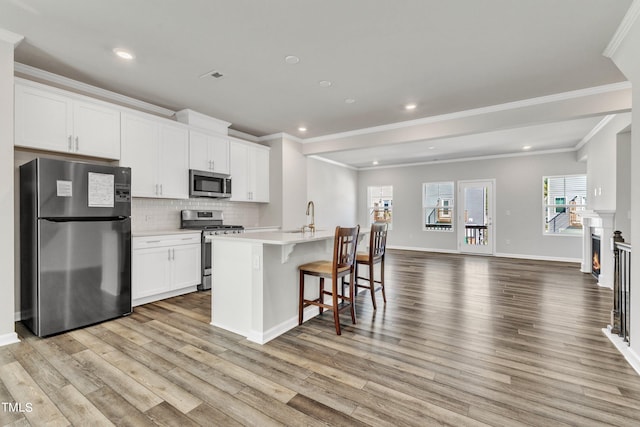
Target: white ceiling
446	57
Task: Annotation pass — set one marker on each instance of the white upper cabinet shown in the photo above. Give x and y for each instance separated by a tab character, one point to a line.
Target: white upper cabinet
173	166
249	165
208	152
157	151
56	120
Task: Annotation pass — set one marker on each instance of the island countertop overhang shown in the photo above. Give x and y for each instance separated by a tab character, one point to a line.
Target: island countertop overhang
280	238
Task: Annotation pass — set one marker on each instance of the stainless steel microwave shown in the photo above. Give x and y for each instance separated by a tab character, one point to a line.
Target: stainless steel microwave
209	184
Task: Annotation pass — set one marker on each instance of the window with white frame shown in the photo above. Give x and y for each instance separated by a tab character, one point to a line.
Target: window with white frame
380	201
564	201
438	206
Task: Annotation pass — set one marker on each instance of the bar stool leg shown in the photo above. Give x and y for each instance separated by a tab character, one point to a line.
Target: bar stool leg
336	313
384	296
352	292
301	302
321	299
372	285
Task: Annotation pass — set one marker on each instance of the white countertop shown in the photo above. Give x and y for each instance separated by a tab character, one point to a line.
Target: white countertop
278	237
162	232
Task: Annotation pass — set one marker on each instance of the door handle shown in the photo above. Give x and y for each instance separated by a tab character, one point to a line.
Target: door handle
77	143
161	189
70	144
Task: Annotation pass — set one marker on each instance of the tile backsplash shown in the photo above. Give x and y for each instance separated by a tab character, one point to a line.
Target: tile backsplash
164	214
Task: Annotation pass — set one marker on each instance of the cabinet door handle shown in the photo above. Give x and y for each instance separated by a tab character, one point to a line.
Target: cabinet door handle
77	143
161	189
70	144
173	251
153	241
168	254
157	189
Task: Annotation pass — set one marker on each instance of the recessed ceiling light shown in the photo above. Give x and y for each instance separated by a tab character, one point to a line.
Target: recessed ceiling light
432	148
302	129
375	162
324	83
410	107
526	147
124	54
291	59
349	101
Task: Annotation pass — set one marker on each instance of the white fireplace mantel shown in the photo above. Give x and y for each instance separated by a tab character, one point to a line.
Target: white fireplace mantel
600	222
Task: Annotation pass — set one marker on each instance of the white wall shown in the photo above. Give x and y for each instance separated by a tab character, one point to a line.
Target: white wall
600	153
271	213
287	185
294	181
333	190
627	60
518	217
7	231
623	185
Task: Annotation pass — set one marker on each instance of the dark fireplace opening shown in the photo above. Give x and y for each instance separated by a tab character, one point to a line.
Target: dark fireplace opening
595	255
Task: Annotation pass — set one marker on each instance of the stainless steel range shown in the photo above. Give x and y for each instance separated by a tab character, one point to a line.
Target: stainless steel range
211	224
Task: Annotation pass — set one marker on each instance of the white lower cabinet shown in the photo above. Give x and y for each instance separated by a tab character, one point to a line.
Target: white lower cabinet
164	266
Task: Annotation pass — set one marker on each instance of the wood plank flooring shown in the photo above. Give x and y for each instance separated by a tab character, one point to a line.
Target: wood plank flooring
462	341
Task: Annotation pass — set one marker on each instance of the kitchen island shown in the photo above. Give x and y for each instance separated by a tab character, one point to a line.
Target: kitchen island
255	280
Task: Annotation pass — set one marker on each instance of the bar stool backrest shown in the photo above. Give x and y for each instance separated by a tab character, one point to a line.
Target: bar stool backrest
344	248
378	240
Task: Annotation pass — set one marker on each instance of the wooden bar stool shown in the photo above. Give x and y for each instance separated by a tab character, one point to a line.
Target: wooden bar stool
377	246
342	265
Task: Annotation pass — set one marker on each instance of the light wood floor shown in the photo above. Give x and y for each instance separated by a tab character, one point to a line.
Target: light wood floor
462	341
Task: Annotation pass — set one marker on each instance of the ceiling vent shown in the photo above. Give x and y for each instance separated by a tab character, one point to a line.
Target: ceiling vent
214	74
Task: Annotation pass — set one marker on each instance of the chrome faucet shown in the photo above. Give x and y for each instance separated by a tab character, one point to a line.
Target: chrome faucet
311	207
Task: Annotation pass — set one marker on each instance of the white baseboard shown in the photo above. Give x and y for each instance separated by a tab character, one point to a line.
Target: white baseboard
605	286
498	254
164	295
10	338
539	257
627	352
276	331
419	249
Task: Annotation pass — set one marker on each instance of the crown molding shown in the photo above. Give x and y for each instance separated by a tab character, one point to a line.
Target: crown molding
471	159
242	135
623	29
282	135
597	128
67	83
332	162
10	37
564	96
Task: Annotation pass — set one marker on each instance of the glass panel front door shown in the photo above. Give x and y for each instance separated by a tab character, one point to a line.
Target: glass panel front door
476	232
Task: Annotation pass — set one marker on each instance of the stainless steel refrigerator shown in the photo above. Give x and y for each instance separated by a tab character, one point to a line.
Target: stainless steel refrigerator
75	244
